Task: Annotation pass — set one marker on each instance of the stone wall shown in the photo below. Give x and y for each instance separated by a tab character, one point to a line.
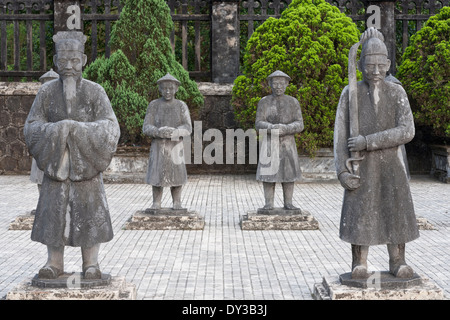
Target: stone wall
16	99
130	165
15	103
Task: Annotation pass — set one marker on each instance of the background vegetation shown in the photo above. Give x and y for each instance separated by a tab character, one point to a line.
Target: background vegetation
142	54
310	43
425	75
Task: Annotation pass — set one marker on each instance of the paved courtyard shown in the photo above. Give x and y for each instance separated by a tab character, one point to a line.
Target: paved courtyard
222	261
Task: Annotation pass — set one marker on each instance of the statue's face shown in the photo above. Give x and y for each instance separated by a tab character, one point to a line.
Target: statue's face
278	85
168	90
69	63
375	67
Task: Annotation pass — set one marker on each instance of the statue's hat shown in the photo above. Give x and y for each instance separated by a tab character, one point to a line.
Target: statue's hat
373	43
69	40
49	75
168	77
279	73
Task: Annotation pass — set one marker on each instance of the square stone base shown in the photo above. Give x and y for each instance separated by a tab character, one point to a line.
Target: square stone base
118	289
333	289
279	219
165	219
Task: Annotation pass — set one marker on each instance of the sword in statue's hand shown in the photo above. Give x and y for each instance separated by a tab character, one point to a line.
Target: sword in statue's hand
352	163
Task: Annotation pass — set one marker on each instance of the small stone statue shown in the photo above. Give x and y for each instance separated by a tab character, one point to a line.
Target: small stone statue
72	133
37	175
281	116
167	119
373	122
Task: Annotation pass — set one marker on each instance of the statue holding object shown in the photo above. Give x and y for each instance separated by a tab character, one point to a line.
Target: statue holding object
167	121
373	122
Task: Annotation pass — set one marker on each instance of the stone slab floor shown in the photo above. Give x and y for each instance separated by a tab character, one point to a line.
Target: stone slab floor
223	262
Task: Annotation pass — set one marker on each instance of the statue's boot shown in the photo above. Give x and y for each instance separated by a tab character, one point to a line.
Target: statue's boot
269	193
359	261
55	263
91	269
397	262
157	196
176	197
288	193
49	272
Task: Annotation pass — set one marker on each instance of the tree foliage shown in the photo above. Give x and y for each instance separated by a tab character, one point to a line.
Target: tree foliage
425	74
142	54
310	42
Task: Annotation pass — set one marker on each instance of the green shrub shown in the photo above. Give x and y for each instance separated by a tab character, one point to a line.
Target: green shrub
425	74
141	55
310	42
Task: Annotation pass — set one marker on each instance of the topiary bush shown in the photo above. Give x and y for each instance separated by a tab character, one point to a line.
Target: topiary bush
425	74
142	54
309	42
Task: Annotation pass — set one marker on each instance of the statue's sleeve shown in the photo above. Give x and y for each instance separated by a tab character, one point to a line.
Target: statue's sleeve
296	126
402	133
185	129
149	128
341	133
93	144
47	141
260	121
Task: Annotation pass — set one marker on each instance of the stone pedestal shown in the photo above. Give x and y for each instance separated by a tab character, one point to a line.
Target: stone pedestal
165	219
73	287
379	286
279	219
23	222
440	165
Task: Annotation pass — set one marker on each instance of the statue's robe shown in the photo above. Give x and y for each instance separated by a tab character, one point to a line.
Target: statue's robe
381	210
166	165
72	208
281	164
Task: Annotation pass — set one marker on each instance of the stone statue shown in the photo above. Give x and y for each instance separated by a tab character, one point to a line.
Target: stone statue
36	174
166	121
72	133
373	122
281	116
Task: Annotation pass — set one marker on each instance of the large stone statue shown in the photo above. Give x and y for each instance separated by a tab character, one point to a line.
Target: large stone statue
281	116
167	120
72	133
373	122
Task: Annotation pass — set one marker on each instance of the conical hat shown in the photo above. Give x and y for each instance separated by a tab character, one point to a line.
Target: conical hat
168	77
49	75
278	73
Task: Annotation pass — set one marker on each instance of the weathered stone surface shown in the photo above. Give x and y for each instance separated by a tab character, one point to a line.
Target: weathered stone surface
225	41
70	280
424	224
373	123
383	280
332	289
16	99
279	219
318	168
166	219
118	289
23	222
71	113
440	166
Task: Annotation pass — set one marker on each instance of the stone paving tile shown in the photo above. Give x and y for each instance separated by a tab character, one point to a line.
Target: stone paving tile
222	261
